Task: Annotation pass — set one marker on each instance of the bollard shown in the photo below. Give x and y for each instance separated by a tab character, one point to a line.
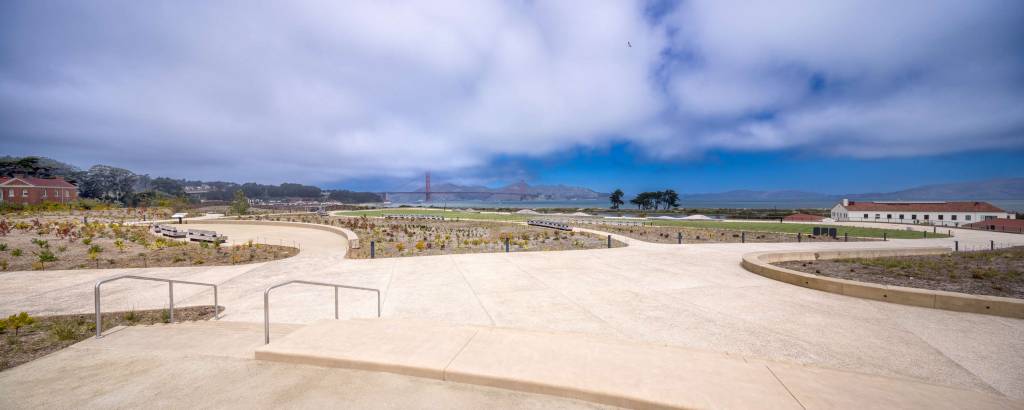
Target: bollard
846	237
799	237
956	246
373	249
925	233
680	238
885	236
743	237
992	245
506	245
609	241
935	229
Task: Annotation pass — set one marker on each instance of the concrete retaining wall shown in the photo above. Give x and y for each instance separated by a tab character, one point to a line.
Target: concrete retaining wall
761	264
353	239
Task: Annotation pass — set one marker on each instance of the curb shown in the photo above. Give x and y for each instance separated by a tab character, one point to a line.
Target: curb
761	264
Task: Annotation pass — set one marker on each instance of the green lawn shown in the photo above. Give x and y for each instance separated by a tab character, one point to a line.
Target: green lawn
438	212
806	229
739	226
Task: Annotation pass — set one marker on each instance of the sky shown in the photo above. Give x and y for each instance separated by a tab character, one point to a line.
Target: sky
699	96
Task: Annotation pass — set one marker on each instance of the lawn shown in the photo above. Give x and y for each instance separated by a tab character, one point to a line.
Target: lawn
438	212
805	229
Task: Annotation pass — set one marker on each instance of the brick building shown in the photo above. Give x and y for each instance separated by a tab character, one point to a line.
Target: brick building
31	190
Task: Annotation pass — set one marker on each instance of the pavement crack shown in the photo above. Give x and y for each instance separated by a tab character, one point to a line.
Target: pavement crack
785	387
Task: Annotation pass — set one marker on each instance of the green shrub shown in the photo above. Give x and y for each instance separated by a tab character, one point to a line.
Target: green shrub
16	252
46	255
3	247
64	330
15	322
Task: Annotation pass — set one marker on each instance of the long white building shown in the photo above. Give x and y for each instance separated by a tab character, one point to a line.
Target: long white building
939	213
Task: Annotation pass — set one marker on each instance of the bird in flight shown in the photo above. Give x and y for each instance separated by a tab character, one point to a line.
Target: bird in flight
629	44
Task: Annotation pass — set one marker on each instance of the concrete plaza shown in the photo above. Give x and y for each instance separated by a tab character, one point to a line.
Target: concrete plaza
689	296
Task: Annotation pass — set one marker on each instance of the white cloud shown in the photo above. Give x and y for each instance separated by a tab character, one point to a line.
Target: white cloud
323	91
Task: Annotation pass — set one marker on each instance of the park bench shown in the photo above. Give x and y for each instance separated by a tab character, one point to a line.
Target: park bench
171	232
201	235
549	224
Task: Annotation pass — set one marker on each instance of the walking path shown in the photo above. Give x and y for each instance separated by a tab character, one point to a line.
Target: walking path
688	296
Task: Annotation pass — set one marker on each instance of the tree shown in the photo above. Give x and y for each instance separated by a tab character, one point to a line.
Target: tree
240	205
616	198
670	198
107	182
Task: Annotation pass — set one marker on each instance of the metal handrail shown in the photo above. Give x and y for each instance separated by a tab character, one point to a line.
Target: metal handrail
266	301
170	296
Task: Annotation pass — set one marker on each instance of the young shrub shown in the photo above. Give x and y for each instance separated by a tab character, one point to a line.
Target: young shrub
64	330
420	246
15	322
3	264
165	316
3	247
130	315
16	252
119	244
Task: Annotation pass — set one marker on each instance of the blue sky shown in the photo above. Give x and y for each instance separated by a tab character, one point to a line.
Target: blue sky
625	167
699	95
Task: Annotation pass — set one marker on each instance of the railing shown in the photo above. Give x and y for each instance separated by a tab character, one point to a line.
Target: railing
549	224
266	301
170	296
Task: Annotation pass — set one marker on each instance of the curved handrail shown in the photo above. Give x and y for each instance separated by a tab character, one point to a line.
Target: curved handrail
266	301
170	296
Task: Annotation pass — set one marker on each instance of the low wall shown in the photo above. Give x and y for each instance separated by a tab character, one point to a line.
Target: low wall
353	239
761	264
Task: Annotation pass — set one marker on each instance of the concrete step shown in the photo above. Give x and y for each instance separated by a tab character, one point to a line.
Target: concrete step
600	370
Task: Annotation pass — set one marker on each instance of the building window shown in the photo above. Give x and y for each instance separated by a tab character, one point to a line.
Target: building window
888	216
913	216
953	217
987	217
926	217
865	216
10	193
24	192
901	216
44	193
967	217
940	217
877	216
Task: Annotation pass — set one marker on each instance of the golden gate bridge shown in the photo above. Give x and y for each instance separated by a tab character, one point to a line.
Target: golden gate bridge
427	192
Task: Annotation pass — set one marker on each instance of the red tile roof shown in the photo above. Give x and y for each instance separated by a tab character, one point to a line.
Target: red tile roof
41	182
804	218
965	206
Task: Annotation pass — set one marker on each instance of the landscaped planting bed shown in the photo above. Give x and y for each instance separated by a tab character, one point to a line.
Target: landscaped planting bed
665	234
416	237
996	273
36	337
49	244
805	229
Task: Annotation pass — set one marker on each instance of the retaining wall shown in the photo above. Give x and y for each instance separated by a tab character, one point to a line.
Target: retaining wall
761	264
353	239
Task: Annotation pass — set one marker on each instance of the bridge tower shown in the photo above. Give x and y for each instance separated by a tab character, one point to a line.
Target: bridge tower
427	188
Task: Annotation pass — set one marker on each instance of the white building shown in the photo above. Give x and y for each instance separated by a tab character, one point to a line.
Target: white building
939	213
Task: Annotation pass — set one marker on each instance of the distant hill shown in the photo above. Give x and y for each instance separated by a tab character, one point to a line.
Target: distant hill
747	195
1010	188
508	192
